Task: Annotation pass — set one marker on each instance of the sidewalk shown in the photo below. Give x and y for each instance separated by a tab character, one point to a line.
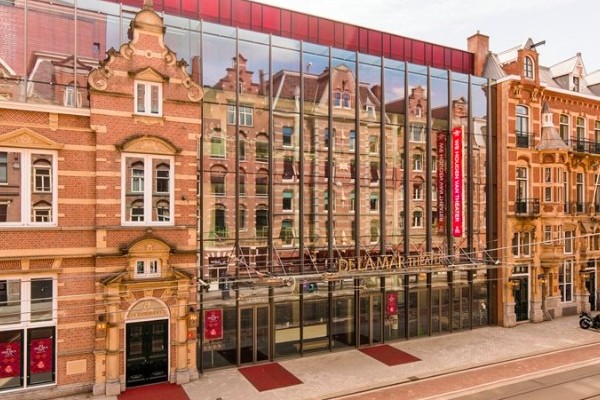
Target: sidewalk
328	375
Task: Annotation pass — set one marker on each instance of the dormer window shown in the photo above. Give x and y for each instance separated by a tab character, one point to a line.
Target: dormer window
576	84
148	98
147	268
528	68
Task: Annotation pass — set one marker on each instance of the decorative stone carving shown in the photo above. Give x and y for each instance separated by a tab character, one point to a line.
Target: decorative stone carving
26	138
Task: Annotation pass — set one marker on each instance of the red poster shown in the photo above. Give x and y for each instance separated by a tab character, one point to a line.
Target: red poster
391	306
10	359
40	355
213	324
441	181
457	182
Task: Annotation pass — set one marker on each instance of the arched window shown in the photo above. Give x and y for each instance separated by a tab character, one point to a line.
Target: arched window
261	222
220	221
41	212
528	67
262	183
163	211
42	176
563	127
217	180
417	221
374	231
522	127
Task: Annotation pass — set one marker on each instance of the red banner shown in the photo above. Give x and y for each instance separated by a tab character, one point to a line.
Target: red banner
213	324
10	359
391	307
441	181
40	355
457	182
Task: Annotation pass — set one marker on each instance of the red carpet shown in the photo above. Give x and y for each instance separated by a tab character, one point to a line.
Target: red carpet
269	376
158	391
389	355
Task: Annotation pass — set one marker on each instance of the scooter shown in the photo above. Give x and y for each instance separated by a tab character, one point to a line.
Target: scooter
586	321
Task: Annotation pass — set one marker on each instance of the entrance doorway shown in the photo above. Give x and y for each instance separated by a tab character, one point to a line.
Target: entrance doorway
254	334
521	292
147	355
590	285
370	319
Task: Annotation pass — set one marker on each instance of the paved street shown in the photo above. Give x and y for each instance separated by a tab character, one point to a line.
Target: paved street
482	359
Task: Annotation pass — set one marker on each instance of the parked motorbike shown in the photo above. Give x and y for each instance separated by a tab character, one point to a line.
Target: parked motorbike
586	321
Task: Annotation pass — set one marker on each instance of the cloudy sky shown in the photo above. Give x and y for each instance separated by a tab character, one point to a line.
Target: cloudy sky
567	26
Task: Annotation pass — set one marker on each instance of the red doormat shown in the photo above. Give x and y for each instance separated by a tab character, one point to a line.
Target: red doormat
389	355
269	376
159	391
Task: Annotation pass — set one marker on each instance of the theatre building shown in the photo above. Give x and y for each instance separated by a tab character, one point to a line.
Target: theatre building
548	124
187	186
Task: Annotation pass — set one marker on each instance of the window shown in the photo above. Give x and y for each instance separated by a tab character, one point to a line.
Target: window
288	200
569	241
262	183
370	109
346	100
528	68
522	189
374	231
580	131
521	244
288	136
3	167
418	162
243	218
416	133
433	192
418	111
287	232
576	84
565	281
548	185
24	301
595	150
373	144
262	149
242	186
522	127
563	127
433	164
352	201
242	149
288	168
148	98
337	99
149	268
547	234
326	201
262	223
374	167
352	142
146	204
352	170
580	191
246	114
219	222
31	196
374	202
417	221
217	147
217	181
418	191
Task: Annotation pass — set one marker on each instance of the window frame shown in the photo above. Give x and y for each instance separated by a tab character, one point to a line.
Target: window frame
147	111
26	301
528	70
147	272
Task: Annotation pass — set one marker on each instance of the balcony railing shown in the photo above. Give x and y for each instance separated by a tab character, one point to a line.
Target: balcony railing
524	139
581	208
585	146
527	207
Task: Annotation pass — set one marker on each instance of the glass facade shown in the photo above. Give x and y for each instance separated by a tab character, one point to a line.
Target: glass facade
337	206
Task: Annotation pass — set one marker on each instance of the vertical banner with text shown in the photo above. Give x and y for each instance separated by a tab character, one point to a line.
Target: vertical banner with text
10	359
213	324
457	182
441	181
40	355
391	306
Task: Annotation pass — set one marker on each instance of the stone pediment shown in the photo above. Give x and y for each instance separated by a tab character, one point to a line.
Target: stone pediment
26	138
149	74
149	145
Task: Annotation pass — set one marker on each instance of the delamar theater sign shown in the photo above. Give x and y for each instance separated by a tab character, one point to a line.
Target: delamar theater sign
389	262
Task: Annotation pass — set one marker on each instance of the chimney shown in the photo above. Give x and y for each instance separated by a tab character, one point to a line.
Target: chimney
479	45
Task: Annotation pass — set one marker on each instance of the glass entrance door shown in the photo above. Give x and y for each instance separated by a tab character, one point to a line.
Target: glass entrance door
254	334
370	319
521	293
147	352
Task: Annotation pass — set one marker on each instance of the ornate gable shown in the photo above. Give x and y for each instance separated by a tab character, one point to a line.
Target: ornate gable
26	138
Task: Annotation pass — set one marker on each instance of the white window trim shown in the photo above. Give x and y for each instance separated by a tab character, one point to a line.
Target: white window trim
26	302
27	183
148	98
148	184
146	274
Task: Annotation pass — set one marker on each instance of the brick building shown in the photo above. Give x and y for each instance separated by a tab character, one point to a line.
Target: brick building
547	122
235	184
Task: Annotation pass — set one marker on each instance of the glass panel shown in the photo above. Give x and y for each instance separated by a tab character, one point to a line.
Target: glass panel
440	138
10	301
11	359
316	313
262	333
343	316
287	325
41	352
161	194
41	299
247	335
221	352
135	185
394	306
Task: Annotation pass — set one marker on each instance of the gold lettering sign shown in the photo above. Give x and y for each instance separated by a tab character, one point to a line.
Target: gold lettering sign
146	309
388	262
